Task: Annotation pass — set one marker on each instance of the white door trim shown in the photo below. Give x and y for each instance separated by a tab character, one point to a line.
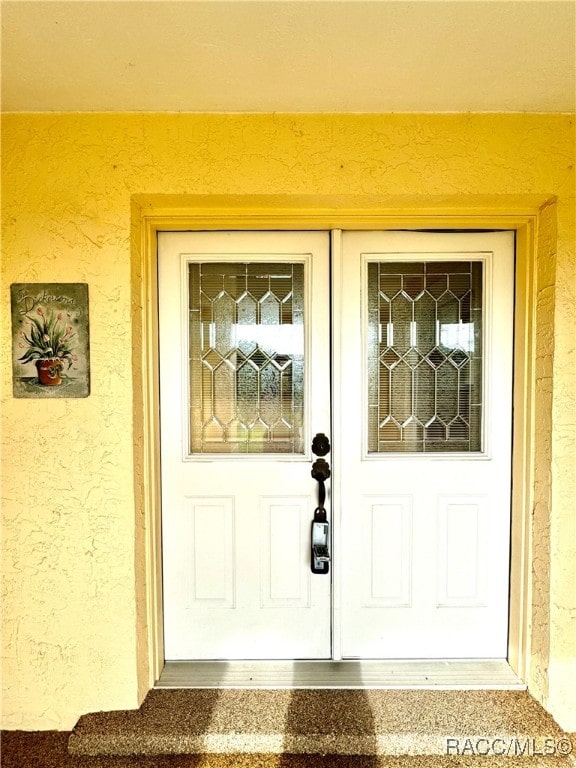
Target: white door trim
151	214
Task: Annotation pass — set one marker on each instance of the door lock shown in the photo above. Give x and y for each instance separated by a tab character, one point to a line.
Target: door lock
320	539
320	542
320	444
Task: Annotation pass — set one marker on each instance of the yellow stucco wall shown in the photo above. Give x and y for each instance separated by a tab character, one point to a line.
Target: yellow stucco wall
72	623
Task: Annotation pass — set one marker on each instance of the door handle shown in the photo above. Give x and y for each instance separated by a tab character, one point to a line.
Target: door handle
321	473
320	538
321	468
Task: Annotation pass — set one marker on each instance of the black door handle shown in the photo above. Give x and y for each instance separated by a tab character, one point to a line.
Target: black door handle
321	473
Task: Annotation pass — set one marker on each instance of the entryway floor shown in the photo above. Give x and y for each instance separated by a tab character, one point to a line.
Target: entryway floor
376	723
48	749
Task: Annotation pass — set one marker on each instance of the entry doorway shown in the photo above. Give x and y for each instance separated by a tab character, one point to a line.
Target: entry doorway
398	347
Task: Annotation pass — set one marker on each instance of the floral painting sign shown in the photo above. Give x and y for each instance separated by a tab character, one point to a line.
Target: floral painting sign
50	356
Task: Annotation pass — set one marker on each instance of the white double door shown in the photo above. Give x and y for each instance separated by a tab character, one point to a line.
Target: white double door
396	345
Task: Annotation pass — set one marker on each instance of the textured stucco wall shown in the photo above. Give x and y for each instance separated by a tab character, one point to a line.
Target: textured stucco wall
72	618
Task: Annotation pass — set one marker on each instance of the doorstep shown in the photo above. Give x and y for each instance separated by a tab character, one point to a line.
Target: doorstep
354	722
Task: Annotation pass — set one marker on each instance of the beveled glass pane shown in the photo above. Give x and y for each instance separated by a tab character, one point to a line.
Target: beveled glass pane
424	394
246	350
401	393
401	317
425	333
424	309
446	392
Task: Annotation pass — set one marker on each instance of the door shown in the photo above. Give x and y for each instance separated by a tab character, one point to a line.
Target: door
425	444
243	317
419	412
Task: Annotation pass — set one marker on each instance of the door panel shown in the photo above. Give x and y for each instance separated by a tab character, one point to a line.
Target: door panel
387	579
239	406
285	528
425	444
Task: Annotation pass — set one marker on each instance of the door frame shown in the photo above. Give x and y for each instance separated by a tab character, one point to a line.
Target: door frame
532	217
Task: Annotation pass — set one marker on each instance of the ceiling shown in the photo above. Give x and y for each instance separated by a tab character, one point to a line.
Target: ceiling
288	56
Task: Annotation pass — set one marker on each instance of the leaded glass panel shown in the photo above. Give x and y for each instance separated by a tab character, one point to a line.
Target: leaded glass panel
246	337
425	357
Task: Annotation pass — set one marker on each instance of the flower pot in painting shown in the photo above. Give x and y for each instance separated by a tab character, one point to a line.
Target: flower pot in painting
49	370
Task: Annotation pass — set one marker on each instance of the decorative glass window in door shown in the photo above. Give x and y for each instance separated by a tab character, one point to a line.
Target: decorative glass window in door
425	356
246	338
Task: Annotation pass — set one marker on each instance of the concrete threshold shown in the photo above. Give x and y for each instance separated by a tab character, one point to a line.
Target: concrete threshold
406	674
